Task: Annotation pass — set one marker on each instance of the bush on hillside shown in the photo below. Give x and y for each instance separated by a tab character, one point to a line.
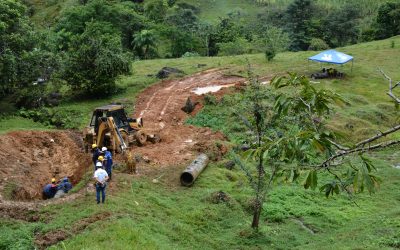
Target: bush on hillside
270	53
238	47
53	117
190	54
318	44
31	97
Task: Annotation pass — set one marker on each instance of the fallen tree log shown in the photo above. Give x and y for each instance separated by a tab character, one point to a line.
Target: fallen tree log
190	174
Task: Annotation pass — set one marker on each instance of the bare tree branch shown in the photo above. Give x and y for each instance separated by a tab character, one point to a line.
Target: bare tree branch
340	147
337	145
376	137
309	113
327	162
391	86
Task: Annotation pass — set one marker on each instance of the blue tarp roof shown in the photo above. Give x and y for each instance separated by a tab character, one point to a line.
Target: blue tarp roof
331	56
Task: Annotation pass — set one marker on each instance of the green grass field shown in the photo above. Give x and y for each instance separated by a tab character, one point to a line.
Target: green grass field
140	214
144	215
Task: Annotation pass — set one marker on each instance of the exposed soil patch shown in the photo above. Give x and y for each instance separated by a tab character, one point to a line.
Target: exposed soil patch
31	158
27	211
53	237
160	107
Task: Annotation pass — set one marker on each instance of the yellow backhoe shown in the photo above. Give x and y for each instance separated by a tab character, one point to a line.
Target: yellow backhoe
112	128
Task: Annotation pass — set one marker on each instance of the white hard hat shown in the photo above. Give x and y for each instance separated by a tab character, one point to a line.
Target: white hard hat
99	164
103	149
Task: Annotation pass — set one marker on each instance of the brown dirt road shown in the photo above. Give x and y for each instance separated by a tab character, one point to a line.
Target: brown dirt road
160	107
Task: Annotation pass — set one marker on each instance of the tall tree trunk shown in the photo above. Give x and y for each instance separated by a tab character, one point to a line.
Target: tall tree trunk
146	48
256	214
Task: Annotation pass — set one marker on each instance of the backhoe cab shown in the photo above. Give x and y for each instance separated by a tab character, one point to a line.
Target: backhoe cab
111	127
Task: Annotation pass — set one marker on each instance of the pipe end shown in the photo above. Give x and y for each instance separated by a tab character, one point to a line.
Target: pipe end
187	179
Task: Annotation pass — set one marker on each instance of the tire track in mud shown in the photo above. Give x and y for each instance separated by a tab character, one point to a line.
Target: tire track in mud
160	108
32	158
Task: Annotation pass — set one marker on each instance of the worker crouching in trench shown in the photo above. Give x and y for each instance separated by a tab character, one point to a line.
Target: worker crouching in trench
54	190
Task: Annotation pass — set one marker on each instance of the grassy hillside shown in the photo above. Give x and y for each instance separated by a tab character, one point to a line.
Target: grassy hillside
45	12
210	10
141	214
364	87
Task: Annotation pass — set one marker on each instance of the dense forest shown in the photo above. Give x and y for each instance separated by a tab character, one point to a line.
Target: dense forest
84	45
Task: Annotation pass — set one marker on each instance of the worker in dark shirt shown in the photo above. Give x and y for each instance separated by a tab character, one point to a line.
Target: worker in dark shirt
96	153
50	189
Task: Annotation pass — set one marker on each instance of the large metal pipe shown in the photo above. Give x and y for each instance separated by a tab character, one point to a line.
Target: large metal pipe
193	170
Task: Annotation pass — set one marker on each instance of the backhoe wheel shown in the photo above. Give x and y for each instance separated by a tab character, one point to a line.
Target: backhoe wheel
141	138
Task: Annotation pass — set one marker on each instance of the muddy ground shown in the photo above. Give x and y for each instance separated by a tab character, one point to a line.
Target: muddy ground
160	107
31	158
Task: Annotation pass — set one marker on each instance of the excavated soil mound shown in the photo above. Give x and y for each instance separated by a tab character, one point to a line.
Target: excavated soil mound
160	106
31	158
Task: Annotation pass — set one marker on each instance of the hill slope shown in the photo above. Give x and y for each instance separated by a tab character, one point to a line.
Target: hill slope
145	214
45	12
212	10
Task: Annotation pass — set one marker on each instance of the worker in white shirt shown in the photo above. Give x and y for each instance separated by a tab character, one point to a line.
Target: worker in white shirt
101	177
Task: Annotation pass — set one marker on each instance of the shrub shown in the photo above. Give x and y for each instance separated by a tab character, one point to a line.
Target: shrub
238	47
30	97
318	44
190	54
270	53
53	117
210	100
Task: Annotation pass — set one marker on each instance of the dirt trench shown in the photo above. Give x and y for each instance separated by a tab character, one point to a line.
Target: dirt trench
160	107
31	158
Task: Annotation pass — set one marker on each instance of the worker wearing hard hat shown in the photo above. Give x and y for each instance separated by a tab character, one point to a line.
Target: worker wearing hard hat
63	188
100	159
108	162
65	185
96	153
101	177
50	189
